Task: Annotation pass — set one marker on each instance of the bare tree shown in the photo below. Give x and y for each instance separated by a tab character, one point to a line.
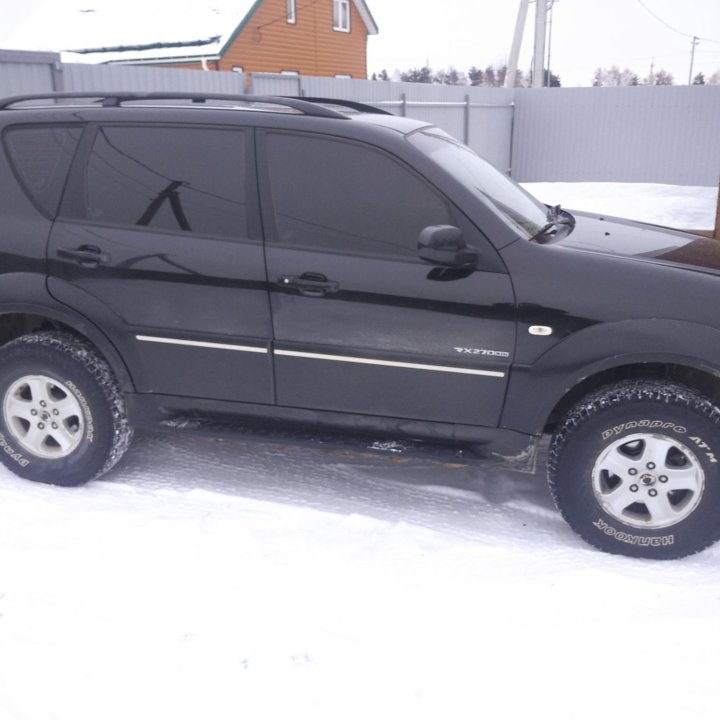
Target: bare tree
614	77
450	77
661	77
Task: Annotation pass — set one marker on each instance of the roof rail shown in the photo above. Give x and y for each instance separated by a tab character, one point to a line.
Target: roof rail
312	107
360	107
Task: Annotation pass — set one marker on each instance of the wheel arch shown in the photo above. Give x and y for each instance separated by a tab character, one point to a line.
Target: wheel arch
683	352
26	306
22	319
681	371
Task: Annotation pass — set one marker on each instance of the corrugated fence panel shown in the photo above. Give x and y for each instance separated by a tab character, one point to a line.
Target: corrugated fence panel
122	78
482	117
365	91
262	84
491	125
633	134
627	134
26	72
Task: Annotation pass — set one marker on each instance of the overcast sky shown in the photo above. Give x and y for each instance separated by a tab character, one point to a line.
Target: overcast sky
461	33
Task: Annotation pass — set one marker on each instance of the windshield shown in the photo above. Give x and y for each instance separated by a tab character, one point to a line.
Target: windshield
506	198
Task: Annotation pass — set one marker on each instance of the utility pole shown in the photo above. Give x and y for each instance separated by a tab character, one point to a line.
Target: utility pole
695	42
551	4
517	41
538	79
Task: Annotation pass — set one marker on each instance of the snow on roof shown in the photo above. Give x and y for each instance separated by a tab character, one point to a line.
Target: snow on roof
168	29
72	25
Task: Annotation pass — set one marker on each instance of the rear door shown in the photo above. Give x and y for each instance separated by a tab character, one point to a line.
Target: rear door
158	241
362	325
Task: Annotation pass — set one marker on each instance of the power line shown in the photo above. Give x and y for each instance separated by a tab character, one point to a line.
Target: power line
675	30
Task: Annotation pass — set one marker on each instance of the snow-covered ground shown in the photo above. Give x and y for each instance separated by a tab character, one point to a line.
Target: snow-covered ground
229	578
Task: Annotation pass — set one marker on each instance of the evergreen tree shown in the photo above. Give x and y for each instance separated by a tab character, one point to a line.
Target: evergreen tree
699	79
418	75
490	76
554	80
450	77
476	76
453	77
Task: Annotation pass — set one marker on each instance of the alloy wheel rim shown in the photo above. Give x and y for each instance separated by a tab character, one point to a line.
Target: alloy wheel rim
648	481
44	417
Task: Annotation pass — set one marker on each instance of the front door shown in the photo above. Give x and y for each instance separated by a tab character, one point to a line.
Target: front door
361	324
159	241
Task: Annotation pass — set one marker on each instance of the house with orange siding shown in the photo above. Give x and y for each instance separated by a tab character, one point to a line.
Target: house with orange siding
305	37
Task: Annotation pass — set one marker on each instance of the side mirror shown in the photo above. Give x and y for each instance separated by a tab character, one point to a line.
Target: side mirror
445	245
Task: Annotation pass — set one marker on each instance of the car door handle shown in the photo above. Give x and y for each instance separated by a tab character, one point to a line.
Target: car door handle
310	284
86	255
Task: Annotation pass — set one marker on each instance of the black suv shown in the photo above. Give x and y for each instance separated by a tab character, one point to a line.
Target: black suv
324	264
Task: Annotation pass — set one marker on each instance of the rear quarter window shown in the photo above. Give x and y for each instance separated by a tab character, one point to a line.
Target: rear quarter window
41	157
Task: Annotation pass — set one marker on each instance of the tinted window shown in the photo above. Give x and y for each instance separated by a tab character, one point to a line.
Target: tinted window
505	197
179	179
348	198
42	156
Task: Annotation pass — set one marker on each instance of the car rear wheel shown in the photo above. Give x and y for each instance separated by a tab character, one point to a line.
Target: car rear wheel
63	418
635	469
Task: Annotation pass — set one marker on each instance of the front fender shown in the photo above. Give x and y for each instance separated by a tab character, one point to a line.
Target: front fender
535	389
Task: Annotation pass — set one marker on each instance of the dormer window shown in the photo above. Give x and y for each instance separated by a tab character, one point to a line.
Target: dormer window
341	15
291	16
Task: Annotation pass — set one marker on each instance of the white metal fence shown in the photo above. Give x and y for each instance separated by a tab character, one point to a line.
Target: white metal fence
638	134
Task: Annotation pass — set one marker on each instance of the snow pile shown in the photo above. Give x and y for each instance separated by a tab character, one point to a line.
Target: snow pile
682	207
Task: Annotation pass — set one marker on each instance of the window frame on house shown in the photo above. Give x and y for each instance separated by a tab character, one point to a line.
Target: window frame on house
341	15
291	12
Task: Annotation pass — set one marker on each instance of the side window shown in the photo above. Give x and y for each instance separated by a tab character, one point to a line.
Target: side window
347	198
41	157
177	179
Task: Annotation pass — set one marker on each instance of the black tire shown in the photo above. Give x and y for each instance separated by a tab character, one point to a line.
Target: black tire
62	413
635	470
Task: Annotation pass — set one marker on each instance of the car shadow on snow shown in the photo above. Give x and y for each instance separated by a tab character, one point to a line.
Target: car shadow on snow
469	499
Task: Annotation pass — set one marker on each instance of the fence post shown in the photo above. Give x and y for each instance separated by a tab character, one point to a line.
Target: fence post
58	79
513	128
466	130
403	107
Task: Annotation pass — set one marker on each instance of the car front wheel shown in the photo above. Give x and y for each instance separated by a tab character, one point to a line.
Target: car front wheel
635	469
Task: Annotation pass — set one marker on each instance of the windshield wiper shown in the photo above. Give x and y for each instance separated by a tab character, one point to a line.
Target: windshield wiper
558	220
